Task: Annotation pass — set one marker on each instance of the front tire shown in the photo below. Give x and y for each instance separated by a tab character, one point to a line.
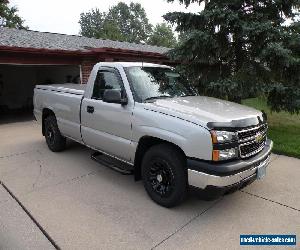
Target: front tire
164	175
55	141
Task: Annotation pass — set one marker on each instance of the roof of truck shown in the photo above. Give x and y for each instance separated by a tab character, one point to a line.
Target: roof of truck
132	64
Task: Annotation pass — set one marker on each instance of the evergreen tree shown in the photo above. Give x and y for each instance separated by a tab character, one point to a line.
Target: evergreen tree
241	48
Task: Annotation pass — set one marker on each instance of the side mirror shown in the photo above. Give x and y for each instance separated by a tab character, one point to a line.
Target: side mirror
114	96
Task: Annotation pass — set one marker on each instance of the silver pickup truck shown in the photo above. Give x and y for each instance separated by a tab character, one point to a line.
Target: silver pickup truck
147	118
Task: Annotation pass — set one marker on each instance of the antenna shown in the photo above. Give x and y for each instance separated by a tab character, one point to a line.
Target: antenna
142	60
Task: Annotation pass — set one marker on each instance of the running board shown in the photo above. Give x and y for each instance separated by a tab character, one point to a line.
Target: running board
112	163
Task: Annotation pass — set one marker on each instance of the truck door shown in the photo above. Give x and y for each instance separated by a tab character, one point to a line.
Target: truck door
107	126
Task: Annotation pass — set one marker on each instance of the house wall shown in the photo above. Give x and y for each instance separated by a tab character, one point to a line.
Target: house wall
86	67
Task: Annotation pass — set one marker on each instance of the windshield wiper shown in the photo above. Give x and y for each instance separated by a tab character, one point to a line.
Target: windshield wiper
157	97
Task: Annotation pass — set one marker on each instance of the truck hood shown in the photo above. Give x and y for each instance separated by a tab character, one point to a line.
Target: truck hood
203	110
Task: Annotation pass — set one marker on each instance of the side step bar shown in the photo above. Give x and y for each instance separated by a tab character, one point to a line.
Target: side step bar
112	163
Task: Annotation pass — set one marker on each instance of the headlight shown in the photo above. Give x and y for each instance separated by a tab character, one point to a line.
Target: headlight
222	136
225	154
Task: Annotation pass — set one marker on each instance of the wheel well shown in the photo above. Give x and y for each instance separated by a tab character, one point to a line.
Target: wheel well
46	112
144	144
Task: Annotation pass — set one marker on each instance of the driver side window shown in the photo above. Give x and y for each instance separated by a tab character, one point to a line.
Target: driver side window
105	80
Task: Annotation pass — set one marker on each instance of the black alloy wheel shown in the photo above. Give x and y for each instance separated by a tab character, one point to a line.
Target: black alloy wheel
161	177
164	174
55	141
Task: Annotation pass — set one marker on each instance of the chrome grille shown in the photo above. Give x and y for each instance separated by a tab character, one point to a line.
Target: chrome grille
249	134
252	140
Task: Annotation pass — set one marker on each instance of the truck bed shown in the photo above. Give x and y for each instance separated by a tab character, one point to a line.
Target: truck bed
64	100
70	88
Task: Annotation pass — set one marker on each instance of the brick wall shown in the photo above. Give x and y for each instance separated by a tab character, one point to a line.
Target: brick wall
87	65
86	68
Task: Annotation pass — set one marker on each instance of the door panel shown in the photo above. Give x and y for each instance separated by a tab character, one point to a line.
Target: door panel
107	126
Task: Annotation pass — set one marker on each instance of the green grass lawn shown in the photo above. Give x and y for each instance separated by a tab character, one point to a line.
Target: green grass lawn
284	128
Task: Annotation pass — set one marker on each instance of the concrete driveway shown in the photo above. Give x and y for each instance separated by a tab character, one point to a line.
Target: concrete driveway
66	200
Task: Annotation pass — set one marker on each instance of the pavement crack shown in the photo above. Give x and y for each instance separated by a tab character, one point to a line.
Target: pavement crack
76	178
186	224
44	232
12	155
82	176
38	177
281	204
61	182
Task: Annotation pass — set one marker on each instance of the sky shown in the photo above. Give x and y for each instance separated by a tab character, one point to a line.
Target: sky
61	16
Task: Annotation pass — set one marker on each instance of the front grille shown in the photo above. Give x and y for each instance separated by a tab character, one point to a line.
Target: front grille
252	140
252	148
249	134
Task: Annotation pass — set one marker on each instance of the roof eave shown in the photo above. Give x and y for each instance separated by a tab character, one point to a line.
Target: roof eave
90	52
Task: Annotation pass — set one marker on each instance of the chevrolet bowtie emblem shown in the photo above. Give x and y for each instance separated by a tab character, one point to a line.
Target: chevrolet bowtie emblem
258	137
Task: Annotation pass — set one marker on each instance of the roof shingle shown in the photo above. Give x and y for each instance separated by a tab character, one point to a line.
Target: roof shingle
53	41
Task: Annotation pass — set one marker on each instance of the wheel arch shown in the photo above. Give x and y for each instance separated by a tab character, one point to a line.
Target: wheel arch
144	144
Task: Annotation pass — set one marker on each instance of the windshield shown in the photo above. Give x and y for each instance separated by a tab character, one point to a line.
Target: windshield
150	83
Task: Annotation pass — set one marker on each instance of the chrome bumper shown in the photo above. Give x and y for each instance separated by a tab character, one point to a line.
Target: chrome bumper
202	180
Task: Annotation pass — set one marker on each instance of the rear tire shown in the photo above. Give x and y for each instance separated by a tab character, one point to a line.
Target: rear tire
164	175
55	141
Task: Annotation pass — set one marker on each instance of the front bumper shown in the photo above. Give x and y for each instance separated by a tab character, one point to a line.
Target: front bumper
226	176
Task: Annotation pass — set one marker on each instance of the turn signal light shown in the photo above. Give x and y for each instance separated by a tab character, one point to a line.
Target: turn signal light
224	154
216	155
214	137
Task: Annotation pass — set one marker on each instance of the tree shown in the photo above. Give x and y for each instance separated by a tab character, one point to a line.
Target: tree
162	35
95	24
112	31
9	16
239	48
122	22
91	23
182	37
131	20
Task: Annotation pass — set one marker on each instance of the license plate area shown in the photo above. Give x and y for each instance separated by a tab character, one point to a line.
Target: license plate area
261	171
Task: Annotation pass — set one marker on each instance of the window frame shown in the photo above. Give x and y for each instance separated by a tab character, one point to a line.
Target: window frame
111	70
